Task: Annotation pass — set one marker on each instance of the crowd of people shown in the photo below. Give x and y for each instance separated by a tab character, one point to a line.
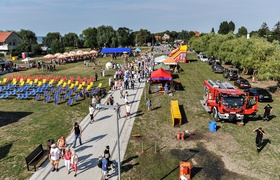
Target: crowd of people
125	78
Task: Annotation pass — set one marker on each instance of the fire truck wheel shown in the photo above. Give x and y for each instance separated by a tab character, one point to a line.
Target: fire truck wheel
215	114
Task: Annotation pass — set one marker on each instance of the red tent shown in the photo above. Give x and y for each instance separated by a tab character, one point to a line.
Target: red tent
161	75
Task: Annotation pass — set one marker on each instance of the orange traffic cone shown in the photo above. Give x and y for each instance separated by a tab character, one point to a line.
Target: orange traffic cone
178	135
183	135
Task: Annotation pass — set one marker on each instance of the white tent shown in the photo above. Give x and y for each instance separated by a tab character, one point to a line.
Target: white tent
27	59
160	59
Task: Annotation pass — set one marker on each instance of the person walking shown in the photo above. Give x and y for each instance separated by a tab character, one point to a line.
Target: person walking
149	104
127	110
61	143
93	102
132	82
118	110
91	111
108	155
54	157
74	162
121	91
126	97
98	101
104	166
111	100
259	137
267	110
95	76
78	133
67	158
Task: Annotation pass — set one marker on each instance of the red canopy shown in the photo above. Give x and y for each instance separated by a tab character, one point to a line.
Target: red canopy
161	75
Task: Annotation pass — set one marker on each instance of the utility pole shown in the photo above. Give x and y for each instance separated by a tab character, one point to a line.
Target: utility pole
118	135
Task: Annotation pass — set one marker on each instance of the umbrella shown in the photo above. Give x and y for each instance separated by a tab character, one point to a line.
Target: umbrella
72	53
49	56
86	53
80	53
61	56
93	52
57	54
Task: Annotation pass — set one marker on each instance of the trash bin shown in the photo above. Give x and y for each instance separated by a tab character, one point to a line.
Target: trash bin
212	126
49	143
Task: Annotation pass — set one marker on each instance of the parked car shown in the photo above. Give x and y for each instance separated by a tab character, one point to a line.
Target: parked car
263	94
204	58
212	60
231	73
218	68
200	55
242	83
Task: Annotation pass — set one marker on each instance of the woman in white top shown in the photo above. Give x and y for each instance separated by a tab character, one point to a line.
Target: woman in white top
127	109
126	97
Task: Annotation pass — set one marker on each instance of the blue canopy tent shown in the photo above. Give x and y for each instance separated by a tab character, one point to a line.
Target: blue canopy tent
115	50
137	50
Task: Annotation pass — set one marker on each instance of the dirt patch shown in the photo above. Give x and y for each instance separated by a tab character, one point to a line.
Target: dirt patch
206	165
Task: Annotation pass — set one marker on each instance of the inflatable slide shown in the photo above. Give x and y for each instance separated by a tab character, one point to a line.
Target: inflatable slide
179	54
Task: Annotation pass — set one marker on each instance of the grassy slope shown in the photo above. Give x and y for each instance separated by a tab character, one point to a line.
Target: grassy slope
155	126
39	121
47	121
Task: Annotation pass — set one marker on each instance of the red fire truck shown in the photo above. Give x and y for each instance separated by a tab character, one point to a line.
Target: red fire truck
227	102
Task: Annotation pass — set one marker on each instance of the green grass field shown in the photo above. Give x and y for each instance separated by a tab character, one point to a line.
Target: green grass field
232	144
32	123
27	123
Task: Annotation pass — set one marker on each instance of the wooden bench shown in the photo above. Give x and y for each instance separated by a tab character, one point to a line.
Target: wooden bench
36	156
175	113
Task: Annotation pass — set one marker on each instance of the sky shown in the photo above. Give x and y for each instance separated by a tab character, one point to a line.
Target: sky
64	16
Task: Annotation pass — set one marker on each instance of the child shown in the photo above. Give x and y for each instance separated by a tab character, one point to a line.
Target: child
74	162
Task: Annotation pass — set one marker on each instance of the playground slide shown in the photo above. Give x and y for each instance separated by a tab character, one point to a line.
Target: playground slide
179	54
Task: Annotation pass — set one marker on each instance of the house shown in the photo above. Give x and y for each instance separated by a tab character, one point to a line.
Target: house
8	41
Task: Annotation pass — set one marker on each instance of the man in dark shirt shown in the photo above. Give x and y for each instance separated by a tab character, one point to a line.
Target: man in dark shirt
260	134
108	155
78	133
267	110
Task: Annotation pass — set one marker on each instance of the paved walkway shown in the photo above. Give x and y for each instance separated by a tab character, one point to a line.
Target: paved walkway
95	137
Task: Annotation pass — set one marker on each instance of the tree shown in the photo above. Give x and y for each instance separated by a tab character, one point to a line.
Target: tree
57	46
36	49
123	35
242	31
22	47
212	31
51	37
106	36
184	35
70	40
231	26
276	31
263	31
89	36
224	28
141	36
28	38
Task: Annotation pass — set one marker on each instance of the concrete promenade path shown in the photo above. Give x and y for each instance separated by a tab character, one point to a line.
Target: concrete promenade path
95	137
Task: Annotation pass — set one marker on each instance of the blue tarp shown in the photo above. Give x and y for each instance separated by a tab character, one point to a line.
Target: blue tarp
115	50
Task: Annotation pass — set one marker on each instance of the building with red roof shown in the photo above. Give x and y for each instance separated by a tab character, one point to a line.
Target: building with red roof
8	41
